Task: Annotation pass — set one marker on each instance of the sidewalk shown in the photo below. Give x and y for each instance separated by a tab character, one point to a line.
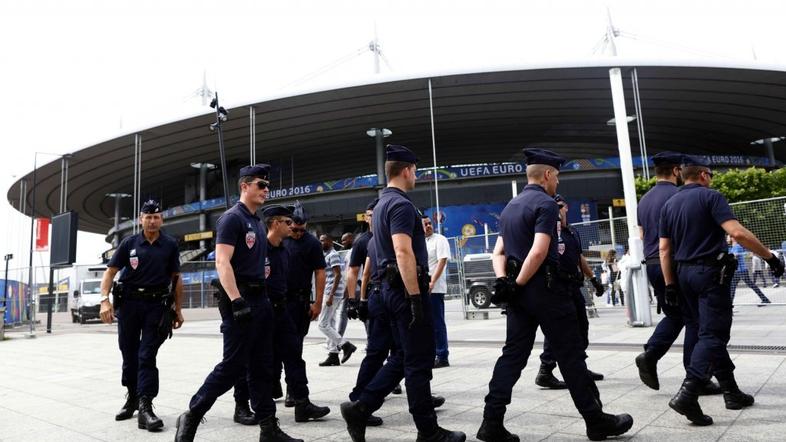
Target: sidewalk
65	386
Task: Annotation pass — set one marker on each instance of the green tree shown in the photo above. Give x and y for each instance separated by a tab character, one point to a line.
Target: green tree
643	186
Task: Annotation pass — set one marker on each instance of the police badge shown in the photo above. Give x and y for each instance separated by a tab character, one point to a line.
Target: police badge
251	238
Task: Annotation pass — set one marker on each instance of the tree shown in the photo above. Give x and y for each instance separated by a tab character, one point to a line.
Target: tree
737	184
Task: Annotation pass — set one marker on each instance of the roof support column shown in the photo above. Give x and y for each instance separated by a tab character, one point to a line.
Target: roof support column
770	151
379	136
638	305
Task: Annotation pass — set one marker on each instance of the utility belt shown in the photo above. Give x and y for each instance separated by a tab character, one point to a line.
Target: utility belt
129	291
302	295
552	274
652	261
726	262
393	277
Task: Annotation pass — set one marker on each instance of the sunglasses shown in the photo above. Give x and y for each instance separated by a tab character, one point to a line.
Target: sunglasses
298	230
285	221
709	173
261	185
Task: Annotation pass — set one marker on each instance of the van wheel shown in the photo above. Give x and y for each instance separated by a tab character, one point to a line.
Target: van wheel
480	297
74	318
82	319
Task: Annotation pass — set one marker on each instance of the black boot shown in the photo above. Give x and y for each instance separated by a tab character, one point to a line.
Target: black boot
602	425
146	418
269	431
348	349
648	369
276	390
594	376
397	389
709	388
289	401
128	409
437	401
495	431
332	360
186	425
735	399
546	379
373	421
244	415
306	411
356	417
686	403
442	435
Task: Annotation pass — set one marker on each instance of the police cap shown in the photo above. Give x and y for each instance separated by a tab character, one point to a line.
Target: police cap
298	213
276	210
694	160
667	158
151	206
372	204
543	156
257	170
397	152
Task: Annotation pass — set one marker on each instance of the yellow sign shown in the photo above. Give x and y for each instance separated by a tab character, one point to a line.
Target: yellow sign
618	202
198	236
359	217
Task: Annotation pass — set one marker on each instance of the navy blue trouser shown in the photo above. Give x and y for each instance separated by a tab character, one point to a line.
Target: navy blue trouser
555	312
413	361
440	329
137	335
708	304
669	328
381	341
247	348
547	357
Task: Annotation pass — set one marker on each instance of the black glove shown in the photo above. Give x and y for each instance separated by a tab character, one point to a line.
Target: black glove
363	310
775	265
352	308
241	312
416	308
504	288
599	289
672	295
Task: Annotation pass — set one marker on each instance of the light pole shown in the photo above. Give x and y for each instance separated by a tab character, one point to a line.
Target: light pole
203	168
379	135
117	196
221	116
7	258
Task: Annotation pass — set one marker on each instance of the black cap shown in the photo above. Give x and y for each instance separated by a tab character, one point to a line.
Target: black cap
257	170
397	152
694	160
372	204
667	158
298	213
151	206
543	156
276	210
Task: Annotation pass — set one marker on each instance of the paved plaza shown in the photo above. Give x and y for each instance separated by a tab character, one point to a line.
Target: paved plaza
65	386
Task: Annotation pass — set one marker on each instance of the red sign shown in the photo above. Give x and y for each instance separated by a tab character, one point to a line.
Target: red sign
41	234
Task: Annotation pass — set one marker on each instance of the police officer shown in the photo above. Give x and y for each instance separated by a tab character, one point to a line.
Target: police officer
305	260
401	254
357	257
574	267
287	343
693	227
247	316
148	263
526	262
667	171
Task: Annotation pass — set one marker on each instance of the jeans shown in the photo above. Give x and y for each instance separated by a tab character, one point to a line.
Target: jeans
440	329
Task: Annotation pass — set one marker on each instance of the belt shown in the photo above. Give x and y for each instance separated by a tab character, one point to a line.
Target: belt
651	261
251	286
700	262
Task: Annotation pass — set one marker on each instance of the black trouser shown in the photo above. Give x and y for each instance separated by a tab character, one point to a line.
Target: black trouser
547	356
675	318
137	335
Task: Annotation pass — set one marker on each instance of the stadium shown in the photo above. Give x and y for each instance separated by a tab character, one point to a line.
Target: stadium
324	152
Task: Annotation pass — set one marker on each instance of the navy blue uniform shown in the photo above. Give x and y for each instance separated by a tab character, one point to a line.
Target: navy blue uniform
691	219
569	248
414	358
357	255
249	346
533	211
669	328
145	271
305	257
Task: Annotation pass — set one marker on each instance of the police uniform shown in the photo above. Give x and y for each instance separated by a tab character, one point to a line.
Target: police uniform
396	214
544	301
248	342
569	249
669	328
146	271
691	220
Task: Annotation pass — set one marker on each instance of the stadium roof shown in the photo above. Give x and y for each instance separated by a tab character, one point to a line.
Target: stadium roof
479	117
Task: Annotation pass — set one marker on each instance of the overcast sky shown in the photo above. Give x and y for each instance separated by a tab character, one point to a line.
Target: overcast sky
78	72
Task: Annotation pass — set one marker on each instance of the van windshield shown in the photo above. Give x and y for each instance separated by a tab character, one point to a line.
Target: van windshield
91	287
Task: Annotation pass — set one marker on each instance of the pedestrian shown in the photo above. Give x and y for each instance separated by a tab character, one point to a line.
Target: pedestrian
526	262
575	268
438	255
357	258
147	300
246	313
759	268
667	172
612	272
306	261
347	243
401	254
693	225
334	301
742	273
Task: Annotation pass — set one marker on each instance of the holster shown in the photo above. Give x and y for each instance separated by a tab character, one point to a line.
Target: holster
393	278
728	266
117	295
224	305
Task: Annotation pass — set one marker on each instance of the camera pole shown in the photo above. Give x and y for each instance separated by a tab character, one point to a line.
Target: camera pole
221	116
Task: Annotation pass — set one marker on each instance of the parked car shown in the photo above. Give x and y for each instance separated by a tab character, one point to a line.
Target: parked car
479	279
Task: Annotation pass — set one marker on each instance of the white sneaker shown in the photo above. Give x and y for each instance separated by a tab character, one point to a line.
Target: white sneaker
776	285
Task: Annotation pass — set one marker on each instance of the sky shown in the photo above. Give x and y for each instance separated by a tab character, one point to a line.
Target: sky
79	72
